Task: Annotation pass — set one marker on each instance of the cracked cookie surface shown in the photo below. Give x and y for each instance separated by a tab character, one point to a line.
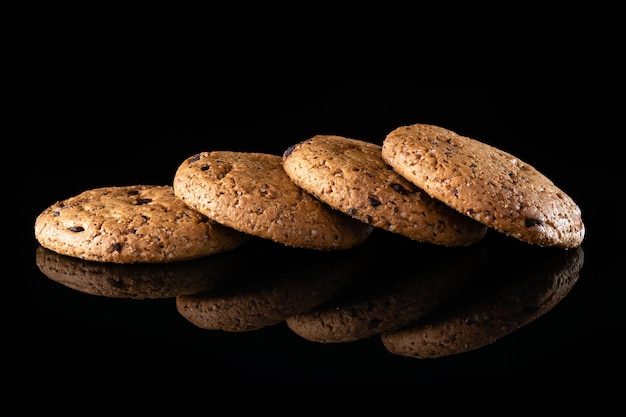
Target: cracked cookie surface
485	183
131	224
351	176
251	192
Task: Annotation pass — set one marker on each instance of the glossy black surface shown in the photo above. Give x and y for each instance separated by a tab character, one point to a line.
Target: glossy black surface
108	132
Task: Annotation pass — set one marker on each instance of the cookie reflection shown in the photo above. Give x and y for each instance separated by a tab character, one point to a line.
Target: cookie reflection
136	281
278	282
526	286
400	285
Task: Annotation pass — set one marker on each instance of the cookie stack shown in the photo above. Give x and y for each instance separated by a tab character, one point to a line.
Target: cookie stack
325	193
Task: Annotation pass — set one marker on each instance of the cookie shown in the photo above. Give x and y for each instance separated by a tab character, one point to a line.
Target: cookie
251	192
350	175
532	290
137	281
132	224
485	183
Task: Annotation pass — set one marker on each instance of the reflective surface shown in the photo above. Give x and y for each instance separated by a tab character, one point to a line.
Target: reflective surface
391	316
332	297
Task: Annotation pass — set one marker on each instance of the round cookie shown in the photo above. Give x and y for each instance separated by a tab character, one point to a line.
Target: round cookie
350	175
251	192
485	183
131	224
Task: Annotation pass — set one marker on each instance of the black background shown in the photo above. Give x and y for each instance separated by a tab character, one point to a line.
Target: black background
107	118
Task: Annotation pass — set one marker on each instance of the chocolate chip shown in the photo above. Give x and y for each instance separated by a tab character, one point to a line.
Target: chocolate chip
205	167
116	283
142	201
533	222
194	158
133	192
400	189
374	201
77	229
116	247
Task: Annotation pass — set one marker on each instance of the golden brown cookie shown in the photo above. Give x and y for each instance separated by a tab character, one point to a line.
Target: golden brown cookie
485	183
251	192
350	175
131	224
531	290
